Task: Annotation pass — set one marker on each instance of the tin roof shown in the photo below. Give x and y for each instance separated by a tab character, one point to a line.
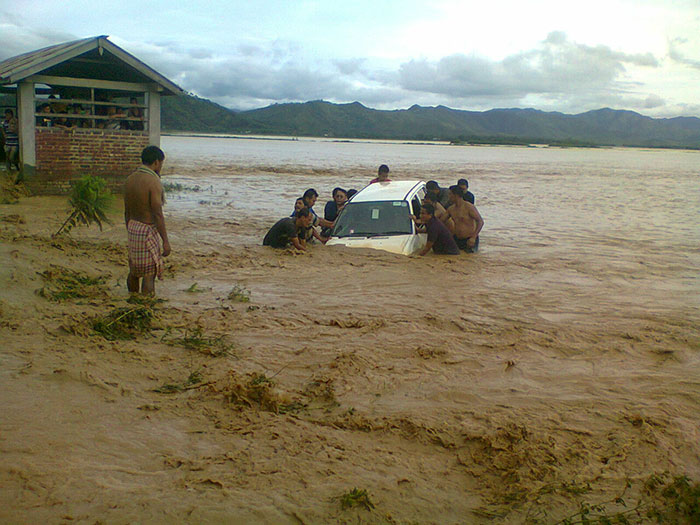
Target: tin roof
93	58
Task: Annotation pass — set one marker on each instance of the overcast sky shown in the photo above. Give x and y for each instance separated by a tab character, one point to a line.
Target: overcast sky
553	55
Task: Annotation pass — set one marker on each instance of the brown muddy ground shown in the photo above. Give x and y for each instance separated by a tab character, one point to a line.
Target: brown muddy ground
501	387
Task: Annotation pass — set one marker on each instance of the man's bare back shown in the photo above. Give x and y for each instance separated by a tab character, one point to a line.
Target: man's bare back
139	189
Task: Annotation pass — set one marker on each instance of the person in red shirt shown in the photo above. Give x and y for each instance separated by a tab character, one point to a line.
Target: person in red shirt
382	174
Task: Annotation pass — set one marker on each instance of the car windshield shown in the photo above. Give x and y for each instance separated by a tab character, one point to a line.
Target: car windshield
363	219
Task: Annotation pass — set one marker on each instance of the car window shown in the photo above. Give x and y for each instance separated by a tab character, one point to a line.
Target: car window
360	219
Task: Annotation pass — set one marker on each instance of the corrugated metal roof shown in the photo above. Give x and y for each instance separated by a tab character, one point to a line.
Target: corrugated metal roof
22	66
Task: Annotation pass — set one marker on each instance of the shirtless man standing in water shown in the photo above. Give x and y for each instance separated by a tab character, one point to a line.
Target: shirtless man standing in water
468	222
145	224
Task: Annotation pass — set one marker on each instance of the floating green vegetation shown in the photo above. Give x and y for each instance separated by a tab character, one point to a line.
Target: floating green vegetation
194	379
63	284
663	500
175	187
124	323
90	200
356	497
196	289
238	294
195	339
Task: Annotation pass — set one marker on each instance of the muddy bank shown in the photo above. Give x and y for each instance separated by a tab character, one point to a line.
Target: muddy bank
492	388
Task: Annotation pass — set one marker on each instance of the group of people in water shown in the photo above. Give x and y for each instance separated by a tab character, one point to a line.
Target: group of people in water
448	216
450	226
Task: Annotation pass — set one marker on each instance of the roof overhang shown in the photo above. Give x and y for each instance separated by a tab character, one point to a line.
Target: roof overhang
80	56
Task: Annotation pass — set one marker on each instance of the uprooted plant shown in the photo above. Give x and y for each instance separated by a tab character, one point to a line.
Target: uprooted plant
90	200
124	323
194	380
62	284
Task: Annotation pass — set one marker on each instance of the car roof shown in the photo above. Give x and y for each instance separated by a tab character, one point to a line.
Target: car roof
386	191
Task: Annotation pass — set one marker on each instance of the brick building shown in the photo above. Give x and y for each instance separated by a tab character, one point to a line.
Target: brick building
84	107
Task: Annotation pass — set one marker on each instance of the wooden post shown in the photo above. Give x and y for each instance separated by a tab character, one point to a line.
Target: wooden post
27	129
153	103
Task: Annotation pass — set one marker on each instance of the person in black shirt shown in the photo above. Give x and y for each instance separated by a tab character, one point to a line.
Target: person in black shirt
468	195
439	237
440	195
286	231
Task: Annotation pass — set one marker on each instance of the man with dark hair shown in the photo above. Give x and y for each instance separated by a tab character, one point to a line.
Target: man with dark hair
468	221
310	196
382	174
287	230
439	237
150	154
440	194
333	209
145	223
468	195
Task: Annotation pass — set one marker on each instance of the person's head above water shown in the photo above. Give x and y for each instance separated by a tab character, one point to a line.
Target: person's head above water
339	196
310	197
432	186
463	183
427	212
383	172
303	217
456	193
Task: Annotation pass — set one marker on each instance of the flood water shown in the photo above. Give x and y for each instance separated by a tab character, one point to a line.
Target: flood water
633	212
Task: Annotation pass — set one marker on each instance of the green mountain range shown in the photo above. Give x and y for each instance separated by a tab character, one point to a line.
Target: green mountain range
603	127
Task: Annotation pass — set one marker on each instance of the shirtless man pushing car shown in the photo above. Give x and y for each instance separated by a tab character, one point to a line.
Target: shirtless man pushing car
468	221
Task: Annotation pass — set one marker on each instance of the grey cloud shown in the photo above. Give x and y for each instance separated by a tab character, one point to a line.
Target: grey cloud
675	53
17	38
557	66
349	66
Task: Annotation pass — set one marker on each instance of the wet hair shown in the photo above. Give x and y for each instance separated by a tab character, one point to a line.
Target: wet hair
299	199
431	185
463	182
383	169
457	191
304	212
351	192
429	209
335	190
150	154
310	193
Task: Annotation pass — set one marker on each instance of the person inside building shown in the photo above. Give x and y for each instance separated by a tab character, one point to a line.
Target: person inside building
10	130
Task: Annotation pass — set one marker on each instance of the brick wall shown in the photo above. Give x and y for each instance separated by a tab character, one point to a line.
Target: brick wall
63	155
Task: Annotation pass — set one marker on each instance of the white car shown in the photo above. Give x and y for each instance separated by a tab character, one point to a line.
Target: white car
378	216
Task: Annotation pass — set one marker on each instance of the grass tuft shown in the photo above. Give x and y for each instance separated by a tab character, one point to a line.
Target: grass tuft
356	497
239	295
196	340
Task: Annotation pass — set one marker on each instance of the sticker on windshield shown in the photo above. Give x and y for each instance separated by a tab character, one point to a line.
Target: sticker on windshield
398	203
375	213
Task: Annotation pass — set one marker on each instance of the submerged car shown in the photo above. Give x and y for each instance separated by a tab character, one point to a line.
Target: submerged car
379	217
